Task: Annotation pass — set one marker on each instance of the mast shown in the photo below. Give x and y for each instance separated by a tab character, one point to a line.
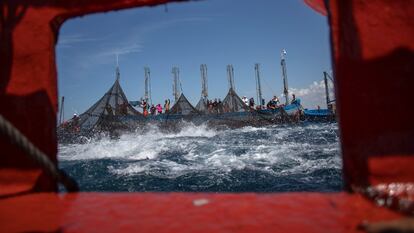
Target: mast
204	85
62	109
230	77
325	77
147	95
284	76
176	83
258	84
118	76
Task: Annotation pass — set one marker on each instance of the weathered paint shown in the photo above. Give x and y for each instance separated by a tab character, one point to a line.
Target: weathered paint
28	78
373	52
373	65
155	212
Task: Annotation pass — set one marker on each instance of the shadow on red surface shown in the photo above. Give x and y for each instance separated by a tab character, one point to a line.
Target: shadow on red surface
372	50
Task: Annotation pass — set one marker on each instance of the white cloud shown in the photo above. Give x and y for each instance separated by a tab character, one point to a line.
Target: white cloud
119	43
69	41
122	49
313	95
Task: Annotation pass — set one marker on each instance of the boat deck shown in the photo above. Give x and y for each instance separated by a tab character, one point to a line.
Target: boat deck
189	212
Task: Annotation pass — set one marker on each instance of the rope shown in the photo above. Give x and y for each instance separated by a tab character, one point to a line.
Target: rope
269	86
23	143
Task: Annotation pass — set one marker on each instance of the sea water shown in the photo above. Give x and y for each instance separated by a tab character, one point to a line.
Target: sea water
278	158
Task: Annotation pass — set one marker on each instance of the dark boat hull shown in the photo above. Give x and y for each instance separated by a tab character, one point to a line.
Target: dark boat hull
116	125
319	115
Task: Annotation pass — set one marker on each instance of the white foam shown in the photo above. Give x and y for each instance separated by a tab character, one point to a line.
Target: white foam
200	149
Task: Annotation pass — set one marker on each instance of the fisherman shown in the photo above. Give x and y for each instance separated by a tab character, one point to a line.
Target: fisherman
270	105
220	106
276	101
75	123
159	108
294	100
251	103
245	100
210	106
144	108
153	110
215	105
167	106
261	105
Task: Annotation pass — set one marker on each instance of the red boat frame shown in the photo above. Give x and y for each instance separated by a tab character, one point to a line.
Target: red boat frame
372	45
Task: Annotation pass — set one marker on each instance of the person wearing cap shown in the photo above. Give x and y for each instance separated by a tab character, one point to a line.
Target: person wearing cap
245	100
75	123
293	99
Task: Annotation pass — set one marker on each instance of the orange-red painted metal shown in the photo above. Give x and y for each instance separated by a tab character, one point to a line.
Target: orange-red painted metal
95	212
373	50
318	6
374	69
28	84
373	57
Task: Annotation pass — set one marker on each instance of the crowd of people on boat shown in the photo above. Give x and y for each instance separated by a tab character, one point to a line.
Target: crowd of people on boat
72	125
152	109
214	106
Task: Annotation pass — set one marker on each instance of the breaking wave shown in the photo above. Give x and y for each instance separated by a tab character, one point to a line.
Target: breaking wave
303	157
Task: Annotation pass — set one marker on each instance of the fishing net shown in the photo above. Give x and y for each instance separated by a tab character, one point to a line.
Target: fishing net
202	105
183	107
233	103
104	113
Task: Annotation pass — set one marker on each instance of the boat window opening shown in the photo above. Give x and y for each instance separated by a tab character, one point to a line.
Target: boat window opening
199	97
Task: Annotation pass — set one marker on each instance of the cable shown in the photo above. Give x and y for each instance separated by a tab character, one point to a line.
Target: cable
23	143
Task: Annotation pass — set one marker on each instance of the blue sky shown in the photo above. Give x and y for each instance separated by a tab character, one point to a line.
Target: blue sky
212	32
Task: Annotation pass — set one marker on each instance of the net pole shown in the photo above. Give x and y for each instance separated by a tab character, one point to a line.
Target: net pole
284	76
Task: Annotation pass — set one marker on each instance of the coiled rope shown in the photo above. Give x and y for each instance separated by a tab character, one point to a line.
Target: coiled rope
22	142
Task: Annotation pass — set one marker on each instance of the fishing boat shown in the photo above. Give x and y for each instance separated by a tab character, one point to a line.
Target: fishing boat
371	37
113	113
318	115
322	115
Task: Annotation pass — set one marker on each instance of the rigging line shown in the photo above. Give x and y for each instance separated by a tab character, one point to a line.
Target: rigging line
17	138
269	86
329	76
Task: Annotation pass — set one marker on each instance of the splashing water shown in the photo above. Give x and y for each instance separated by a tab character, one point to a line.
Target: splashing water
303	157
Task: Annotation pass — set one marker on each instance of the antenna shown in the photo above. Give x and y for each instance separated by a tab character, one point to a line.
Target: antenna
204	84
230	77
176	83
147	95
325	78
118	73
62	110
284	75
258	84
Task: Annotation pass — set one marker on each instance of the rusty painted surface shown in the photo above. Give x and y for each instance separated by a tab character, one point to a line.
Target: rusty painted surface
97	212
373	51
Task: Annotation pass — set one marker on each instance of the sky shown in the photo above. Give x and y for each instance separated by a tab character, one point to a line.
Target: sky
211	32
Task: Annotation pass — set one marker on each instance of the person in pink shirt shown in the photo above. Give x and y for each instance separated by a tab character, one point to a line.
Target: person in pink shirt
159	108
